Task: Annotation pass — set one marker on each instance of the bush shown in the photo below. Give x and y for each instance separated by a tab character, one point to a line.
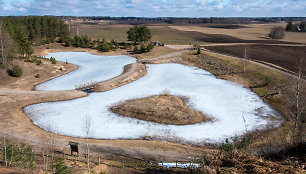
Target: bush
199	51
150	46
60	166
125	45
142	49
289	26
19	155
227	147
38	62
53	61
135	48
37	75
16	71
68	43
277	32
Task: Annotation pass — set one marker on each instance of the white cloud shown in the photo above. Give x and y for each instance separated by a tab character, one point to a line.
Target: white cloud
153	8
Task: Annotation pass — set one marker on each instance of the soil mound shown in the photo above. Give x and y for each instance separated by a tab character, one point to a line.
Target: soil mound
165	109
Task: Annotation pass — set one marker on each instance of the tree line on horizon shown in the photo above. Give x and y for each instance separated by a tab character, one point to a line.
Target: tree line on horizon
186	20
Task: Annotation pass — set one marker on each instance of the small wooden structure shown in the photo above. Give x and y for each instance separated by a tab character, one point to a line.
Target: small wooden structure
74	147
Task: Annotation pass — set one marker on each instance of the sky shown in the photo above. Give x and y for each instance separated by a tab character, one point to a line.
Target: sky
155	8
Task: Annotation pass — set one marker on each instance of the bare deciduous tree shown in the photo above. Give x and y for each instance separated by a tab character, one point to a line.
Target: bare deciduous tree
2	45
87	124
48	145
5	148
299	108
244	59
277	32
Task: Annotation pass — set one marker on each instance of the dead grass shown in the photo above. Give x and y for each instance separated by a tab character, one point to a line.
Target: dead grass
155	52
28	79
274	87
165	109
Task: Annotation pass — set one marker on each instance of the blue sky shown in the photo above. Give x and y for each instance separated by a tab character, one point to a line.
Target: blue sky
156	8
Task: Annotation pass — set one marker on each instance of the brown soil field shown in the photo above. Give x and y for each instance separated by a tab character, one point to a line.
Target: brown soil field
195	34
244	32
165	109
287	57
225	26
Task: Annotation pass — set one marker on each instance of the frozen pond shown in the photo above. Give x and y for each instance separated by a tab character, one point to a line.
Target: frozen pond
91	68
229	104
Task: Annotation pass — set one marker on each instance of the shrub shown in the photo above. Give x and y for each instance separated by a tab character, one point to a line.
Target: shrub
199	51
104	46
61	69
125	45
135	48
37	75
60	166
19	155
303	26
227	147
277	32
142	48
150	46
53	61
38	62
16	71
289	26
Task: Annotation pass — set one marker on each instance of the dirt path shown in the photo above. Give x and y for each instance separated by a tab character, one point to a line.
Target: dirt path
167	58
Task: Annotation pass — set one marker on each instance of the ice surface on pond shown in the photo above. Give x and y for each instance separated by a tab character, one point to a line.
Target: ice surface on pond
91	68
228	103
